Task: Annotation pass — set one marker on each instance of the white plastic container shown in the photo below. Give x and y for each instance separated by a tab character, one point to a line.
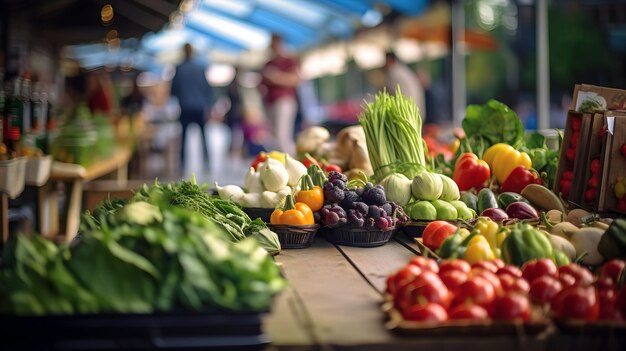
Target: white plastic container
13	176
38	170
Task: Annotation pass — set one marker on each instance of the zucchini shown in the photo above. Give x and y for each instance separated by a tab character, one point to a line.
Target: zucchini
542	198
486	199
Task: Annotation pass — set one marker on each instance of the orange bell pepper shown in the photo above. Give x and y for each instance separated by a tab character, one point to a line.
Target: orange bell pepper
310	194
292	213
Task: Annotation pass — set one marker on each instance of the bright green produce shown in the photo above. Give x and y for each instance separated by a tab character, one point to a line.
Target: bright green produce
544	159
470	199
224	213
462	211
450	190
613	242
397	188
486	199
445	211
393	132
525	243
140	259
427	186
421	210
507	198
489	124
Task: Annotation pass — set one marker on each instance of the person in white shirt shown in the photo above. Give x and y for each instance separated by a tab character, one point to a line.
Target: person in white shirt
400	75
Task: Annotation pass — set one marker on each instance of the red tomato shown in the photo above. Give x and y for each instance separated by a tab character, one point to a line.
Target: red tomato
510	270
567	280
469	312
511	306
568	175
582	275
475	290
488	265
405	276
608	305
511	283
544	289
430	312
590	195
453	279
424	263
576	122
436	233
595	166
390	285
499	263
455	265
604	282
489	276
573	143
593	182
537	268
570	154
623	149
620	300
577	302
612	269
329	168
429	287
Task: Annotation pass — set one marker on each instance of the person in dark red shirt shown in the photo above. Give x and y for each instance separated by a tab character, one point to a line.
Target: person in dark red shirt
280	79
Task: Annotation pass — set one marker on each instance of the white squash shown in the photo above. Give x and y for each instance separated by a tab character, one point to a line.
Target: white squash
587	240
274	176
270	199
252	182
228	192
250	200
295	169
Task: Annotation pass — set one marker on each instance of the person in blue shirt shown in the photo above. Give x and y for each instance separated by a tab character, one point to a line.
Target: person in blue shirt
195	97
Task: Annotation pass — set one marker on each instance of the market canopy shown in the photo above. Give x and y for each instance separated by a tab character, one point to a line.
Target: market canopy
238	26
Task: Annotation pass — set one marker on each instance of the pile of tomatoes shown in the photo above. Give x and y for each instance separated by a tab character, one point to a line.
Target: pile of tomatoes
573	292
455	290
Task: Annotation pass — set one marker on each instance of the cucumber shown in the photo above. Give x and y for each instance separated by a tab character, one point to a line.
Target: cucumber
470	199
507	198
486	199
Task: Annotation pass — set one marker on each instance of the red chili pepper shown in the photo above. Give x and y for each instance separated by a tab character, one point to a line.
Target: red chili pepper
470	172
308	161
330	167
261	157
519	178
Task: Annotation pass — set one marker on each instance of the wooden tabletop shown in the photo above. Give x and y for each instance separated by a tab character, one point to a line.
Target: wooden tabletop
66	171
334	298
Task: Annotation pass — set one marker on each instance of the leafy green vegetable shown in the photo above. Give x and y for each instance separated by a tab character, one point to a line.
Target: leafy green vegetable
490	124
189	195
172	258
393	132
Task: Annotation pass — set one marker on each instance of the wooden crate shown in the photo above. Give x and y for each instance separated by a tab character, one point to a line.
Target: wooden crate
565	164
593	148
613	162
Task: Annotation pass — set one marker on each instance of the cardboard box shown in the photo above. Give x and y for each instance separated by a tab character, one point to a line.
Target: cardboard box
594	147
614	99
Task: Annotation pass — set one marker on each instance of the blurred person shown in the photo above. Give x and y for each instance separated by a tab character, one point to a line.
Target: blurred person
280	80
401	76
234	116
133	102
195	97
100	93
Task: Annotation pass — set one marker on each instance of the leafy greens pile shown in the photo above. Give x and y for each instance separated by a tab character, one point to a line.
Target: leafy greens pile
189	195
488	124
140	258
393	132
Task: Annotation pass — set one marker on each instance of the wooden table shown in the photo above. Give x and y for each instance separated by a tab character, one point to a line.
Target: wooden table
334	300
75	176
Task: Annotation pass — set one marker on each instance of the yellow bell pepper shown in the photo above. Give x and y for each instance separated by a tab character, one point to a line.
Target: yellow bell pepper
494	234
478	249
503	158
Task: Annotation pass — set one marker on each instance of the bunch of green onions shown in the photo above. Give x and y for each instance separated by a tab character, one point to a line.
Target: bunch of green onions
393	131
